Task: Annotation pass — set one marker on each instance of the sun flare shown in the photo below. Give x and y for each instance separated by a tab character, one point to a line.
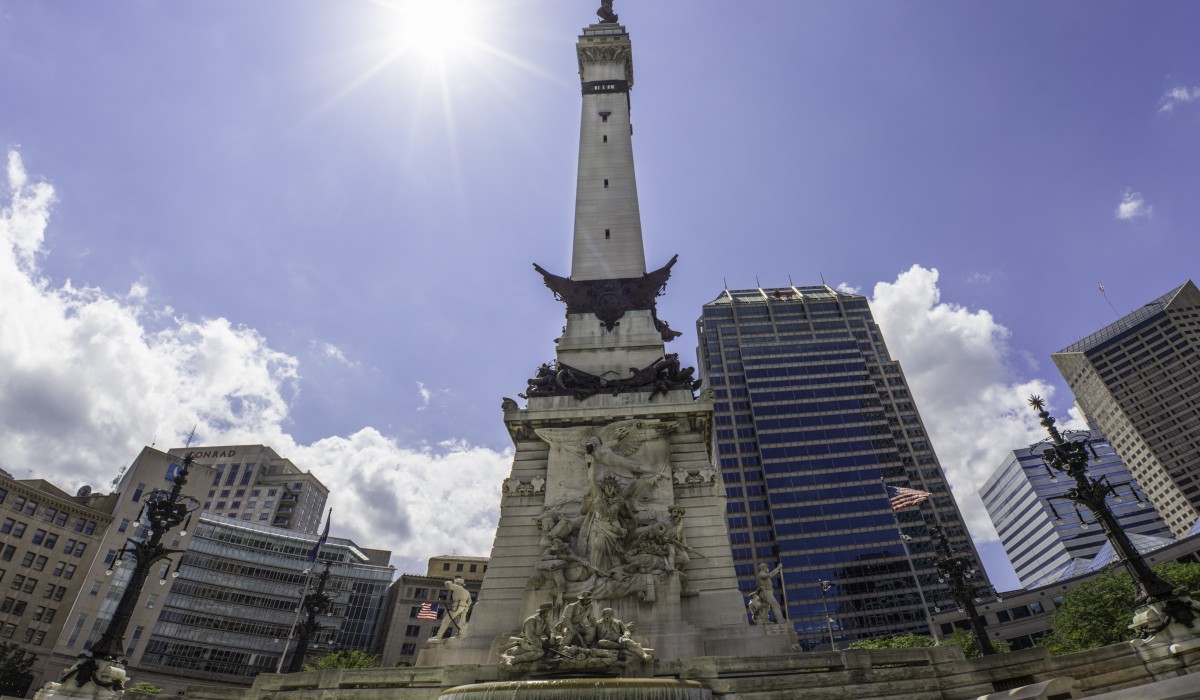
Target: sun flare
438	30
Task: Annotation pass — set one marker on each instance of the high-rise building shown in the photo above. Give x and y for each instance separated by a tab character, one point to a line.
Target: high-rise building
253	483
812	418
1042	550
1138	381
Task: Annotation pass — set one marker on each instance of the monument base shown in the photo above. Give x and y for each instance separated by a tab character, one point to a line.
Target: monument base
1175	622
582	688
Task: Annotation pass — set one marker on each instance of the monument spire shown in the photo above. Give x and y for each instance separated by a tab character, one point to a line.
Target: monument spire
613	499
608	227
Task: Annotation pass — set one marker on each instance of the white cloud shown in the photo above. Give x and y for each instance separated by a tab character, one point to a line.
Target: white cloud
1176	96
985	277
847	288
425	394
1132	206
333	352
960	368
87	378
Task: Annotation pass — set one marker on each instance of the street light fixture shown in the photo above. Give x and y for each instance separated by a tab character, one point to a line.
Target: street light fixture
316	604
162	511
1157	605
825	586
959	572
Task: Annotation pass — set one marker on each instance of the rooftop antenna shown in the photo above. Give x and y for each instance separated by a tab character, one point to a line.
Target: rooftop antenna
790	282
757	284
726	283
822	274
154	440
1104	293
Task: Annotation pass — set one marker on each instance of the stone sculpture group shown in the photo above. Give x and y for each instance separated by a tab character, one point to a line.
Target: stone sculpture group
577	642
617	539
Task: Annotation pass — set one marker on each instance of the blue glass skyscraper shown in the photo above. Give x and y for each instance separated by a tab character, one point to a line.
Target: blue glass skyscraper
812	418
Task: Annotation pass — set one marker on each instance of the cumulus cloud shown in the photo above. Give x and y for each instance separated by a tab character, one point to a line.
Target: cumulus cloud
847	288
425	394
961	371
1133	206
1176	96
88	377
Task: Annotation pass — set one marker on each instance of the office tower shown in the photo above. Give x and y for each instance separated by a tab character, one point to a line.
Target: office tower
253	483
812	417
612	490
1041	550
1138	382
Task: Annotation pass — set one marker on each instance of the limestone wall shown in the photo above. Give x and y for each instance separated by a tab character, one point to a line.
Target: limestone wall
936	673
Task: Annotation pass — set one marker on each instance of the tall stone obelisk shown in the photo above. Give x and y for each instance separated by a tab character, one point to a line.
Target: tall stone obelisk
613	490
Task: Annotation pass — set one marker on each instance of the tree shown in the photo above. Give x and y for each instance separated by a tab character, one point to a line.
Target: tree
965	640
14	669
147	688
1097	612
350	658
961	638
899	641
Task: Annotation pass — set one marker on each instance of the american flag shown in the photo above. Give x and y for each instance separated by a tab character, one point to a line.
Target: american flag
903	497
428	611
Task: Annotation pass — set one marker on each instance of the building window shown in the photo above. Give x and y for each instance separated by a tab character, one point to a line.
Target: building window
137	496
412	631
124	525
408	649
151	600
133	641
40	563
76	629
8	525
79	549
606	183
51	540
607	234
95	587
8	553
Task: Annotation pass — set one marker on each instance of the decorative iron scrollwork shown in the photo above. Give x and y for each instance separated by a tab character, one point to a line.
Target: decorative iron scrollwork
663	375
610	299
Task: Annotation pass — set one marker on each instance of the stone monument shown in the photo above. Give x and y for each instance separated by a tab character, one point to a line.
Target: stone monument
612	549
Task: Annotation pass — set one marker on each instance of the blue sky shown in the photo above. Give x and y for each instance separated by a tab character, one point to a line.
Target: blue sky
310	223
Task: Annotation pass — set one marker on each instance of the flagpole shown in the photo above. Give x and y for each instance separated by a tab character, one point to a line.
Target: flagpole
308	572
912	567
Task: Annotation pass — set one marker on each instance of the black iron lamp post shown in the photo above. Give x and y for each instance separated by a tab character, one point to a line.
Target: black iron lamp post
1068	454
315	604
825	586
959	572
162	511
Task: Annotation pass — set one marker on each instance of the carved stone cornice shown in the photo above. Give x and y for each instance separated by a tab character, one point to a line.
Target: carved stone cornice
608	53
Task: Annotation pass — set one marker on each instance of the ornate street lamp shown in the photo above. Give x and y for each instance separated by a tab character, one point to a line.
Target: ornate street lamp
959	572
1067	453
315	605
162	512
825	586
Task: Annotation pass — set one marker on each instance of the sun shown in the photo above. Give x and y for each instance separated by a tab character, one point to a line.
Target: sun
439	31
